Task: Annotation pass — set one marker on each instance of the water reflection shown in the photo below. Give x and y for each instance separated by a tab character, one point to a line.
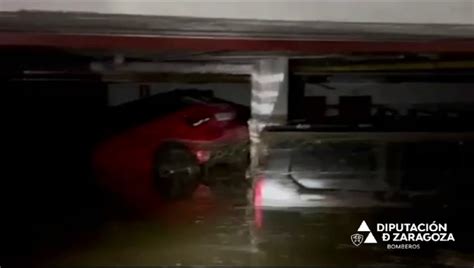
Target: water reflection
219	228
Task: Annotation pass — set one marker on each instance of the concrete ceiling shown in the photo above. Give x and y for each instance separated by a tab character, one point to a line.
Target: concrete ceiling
352	11
139	25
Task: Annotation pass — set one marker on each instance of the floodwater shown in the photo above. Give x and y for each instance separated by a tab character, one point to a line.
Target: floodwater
219	227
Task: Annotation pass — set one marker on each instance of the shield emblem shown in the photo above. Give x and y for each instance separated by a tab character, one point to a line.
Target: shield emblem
357	239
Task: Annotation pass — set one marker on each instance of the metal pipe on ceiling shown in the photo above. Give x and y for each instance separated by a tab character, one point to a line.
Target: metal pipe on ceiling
146	67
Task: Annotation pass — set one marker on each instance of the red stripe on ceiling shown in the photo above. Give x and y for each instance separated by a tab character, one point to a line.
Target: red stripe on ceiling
235	44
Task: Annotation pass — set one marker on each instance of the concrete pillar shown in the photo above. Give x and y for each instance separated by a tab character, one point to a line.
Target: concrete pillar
270	90
269	101
269	106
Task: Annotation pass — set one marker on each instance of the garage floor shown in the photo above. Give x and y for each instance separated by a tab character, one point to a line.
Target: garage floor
219	228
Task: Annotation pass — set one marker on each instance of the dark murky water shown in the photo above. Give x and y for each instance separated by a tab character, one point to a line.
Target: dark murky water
219	228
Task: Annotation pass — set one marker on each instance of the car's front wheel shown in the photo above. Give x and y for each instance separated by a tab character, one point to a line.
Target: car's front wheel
177	171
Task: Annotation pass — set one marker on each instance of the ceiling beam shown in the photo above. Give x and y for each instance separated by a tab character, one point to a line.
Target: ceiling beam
167	67
388	66
154	43
190	78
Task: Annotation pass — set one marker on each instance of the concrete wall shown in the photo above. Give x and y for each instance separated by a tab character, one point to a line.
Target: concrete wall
397	95
400	96
381	11
125	92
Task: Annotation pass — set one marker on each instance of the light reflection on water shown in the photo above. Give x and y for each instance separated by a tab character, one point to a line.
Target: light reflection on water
218	228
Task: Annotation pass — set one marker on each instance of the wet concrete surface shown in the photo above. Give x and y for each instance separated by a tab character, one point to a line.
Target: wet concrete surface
219	227
210	228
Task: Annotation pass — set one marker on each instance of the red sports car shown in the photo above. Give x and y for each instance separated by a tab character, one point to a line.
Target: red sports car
161	143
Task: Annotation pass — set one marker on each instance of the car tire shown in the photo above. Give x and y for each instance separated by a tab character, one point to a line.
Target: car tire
177	171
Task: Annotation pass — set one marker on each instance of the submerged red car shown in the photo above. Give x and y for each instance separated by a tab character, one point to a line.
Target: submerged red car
161	143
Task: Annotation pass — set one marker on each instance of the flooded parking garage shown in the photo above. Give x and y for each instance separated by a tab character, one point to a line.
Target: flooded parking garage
85	212
328	159
220	228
